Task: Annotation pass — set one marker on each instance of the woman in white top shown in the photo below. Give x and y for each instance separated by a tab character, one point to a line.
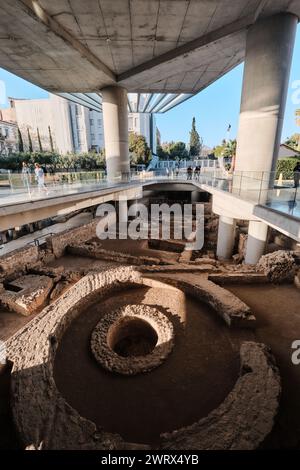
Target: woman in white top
40	178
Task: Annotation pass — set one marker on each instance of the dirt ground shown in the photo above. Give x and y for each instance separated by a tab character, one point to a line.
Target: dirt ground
72	262
194	379
11	322
277	309
137	248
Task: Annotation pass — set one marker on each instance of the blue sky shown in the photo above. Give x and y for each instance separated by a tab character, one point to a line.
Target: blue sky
218	105
214	108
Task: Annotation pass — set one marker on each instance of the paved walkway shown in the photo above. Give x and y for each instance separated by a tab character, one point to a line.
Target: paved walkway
76	221
285	199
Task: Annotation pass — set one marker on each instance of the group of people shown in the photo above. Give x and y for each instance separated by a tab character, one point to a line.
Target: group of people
39	177
196	172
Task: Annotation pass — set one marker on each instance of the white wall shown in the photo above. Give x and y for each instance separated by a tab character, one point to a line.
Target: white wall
74	128
33	114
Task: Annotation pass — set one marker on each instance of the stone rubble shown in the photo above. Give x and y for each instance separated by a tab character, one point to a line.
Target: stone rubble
279	266
29	295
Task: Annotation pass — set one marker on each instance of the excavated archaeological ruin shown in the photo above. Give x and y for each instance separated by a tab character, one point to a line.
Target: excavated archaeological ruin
88	324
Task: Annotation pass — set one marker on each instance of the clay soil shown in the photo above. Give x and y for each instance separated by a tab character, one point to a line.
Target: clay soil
193	380
137	248
277	309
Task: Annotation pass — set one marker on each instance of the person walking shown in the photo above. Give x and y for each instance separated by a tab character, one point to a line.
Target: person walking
296	171
25	175
197	172
40	178
189	172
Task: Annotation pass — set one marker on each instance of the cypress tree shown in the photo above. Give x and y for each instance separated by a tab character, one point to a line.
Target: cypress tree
51	140
30	147
20	141
39	140
195	140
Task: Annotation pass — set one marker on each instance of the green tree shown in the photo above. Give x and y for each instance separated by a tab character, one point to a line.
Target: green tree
286	167
138	148
161	152
226	149
30	148
158	137
70	161
178	149
39	140
50	139
294	141
195	141
20	141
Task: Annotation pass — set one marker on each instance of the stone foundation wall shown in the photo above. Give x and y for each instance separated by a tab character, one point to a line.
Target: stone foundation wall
93	250
58	243
230	308
19	260
245	417
43	418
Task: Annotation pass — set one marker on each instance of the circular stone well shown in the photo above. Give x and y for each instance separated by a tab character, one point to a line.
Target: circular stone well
132	339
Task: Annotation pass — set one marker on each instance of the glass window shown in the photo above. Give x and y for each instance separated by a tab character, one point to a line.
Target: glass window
91	122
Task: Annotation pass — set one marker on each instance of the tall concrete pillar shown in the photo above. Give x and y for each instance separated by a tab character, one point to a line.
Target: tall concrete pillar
195	196
256	242
115	121
269	51
226	237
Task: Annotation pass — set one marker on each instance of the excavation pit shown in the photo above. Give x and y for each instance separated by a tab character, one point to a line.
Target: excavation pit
132	339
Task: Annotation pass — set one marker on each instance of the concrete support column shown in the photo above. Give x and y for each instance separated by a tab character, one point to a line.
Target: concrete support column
268	59
195	196
256	242
226	237
115	122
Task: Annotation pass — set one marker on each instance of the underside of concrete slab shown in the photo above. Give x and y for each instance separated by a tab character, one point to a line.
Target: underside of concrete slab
148	46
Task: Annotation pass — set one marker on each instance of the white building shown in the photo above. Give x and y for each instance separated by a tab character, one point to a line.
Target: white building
285	151
142	123
8	137
73	127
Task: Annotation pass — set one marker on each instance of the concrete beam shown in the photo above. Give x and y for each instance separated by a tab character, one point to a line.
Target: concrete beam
147	101
19	214
34	9
75	99
284	223
203	41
